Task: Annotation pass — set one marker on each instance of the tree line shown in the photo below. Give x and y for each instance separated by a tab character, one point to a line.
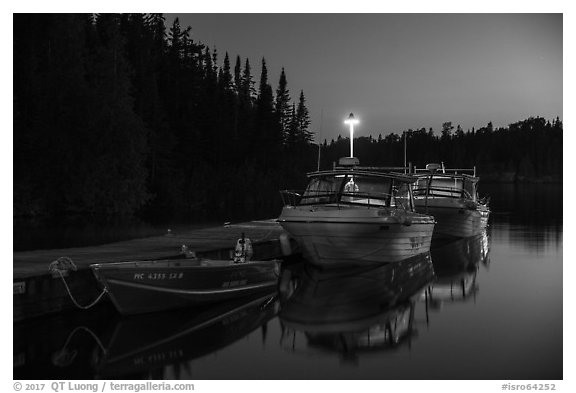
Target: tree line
118	114
525	151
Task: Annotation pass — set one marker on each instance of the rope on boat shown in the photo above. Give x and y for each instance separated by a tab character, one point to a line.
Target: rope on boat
63	264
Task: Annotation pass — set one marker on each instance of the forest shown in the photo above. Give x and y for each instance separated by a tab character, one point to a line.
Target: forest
525	151
118	114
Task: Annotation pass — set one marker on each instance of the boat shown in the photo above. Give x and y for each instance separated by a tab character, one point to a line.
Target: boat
353	215
451	196
354	309
149	286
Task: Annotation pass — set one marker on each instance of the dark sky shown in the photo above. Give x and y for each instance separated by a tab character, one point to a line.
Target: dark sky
400	71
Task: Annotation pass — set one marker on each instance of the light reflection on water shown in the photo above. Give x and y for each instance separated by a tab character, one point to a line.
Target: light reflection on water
493	310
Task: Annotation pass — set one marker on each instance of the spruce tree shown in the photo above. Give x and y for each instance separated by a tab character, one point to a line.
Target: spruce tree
247	91
283	104
302	118
264	90
225	77
268	131
237	77
459	131
447	128
177	39
292	136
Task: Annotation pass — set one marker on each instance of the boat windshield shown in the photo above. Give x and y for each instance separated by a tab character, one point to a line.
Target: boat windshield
444	187
322	190
358	189
367	190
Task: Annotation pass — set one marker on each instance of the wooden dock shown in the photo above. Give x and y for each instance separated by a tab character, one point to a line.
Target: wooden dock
39	292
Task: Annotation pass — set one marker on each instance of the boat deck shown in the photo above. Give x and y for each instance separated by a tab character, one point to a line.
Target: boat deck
38	292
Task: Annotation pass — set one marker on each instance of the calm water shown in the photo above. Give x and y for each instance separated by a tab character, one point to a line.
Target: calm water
491	308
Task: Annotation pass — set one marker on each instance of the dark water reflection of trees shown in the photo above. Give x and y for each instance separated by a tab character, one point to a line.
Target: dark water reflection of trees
529	213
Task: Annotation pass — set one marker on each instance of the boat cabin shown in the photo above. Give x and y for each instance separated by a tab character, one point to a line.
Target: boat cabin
367	188
446	185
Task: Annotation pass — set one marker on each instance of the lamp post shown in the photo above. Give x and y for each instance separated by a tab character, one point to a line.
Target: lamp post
351	121
405	151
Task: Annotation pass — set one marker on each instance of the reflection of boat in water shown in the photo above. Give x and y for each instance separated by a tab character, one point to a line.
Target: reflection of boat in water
147	286
456	265
354	309
142	344
451	196
356	216
59	345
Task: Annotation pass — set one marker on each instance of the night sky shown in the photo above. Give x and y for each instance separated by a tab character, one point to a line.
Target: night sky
400	71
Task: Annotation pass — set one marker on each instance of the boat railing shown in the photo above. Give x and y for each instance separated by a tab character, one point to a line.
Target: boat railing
383	169
366	198
447	171
444	192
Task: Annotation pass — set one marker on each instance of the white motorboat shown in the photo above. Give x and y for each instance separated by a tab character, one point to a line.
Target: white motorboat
356	216
451	196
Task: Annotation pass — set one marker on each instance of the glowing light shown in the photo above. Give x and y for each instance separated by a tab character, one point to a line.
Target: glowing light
351	121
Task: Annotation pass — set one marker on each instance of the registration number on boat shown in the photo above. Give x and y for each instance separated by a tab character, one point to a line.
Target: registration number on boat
158	276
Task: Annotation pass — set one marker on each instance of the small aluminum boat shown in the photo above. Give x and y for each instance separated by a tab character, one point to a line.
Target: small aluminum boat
150	286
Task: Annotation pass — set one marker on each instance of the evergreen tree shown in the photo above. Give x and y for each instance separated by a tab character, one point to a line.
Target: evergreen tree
459	132
268	131
264	90
292	133
156	25
283	104
302	119
489	127
225	78
178	39
447	131
247	91
210	69
237	77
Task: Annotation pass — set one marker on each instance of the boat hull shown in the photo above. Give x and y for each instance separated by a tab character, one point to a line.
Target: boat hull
342	236
455	218
151	286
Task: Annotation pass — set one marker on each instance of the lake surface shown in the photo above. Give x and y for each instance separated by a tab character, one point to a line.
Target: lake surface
483	308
